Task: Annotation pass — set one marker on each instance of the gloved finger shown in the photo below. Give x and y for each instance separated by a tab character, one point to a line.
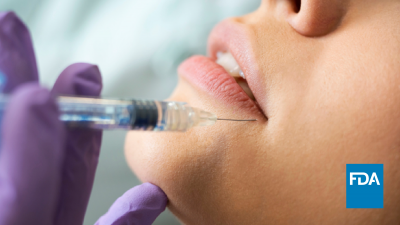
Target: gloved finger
17	57
140	205
82	146
31	157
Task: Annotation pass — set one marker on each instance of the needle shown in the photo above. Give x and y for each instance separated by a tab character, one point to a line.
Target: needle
236	120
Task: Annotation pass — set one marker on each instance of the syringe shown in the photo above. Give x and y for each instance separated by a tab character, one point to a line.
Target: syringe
100	113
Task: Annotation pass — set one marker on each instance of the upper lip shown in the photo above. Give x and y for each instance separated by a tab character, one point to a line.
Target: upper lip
229	36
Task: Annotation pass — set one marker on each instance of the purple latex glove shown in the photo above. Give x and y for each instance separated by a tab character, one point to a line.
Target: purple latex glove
46	171
140	205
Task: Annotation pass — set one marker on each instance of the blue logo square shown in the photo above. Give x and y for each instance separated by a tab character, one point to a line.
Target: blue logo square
364	186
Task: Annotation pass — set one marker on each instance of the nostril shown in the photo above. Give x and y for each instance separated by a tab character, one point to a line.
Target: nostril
315	17
297	4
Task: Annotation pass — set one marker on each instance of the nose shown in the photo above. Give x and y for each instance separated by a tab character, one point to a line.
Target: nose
310	18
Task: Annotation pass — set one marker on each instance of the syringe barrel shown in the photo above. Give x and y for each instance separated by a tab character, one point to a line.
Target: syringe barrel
147	115
95	112
178	116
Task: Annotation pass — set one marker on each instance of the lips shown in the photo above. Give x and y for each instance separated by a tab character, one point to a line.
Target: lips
226	60
213	79
205	74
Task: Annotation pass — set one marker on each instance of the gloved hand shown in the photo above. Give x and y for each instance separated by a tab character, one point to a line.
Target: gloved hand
139	206
46	170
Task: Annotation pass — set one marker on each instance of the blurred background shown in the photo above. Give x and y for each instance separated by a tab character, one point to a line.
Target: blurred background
136	44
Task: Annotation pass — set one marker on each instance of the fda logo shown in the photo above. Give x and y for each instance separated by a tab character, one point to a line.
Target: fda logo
364	186
374	178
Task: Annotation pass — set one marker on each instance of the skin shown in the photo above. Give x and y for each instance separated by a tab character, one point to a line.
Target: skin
330	76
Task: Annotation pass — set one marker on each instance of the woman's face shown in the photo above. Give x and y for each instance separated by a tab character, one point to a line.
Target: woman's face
325	75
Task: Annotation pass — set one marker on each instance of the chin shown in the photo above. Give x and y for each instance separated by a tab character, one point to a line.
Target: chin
204	171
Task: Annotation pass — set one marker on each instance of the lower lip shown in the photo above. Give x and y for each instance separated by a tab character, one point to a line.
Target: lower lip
214	80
